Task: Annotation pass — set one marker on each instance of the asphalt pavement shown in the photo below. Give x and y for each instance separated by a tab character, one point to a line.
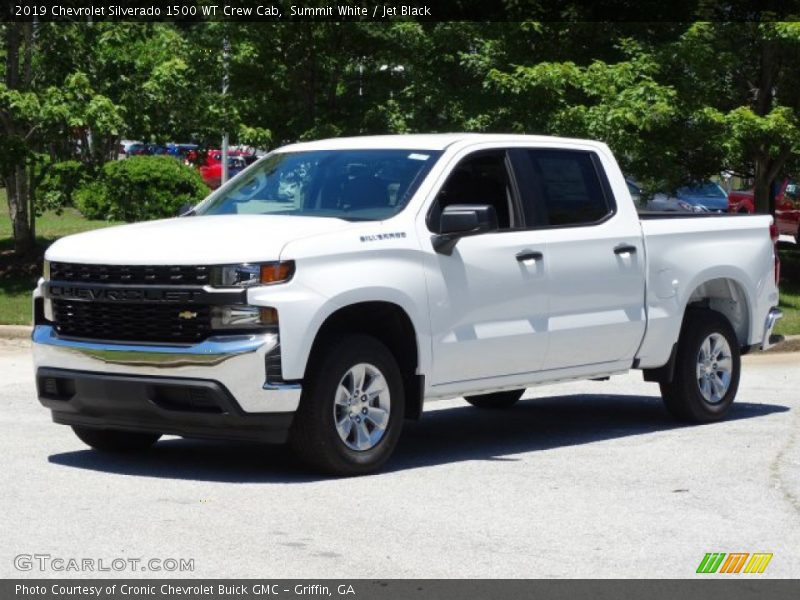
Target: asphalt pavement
588	479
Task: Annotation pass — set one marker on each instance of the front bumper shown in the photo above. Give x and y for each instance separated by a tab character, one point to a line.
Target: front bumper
192	408
237	362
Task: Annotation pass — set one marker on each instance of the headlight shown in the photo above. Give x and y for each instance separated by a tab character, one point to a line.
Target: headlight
248	275
46	270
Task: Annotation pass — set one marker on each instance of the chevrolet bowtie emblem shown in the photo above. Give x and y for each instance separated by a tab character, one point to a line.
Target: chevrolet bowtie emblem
187	314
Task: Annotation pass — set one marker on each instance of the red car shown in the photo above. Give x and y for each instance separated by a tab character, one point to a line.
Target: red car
741	201
211	167
787	206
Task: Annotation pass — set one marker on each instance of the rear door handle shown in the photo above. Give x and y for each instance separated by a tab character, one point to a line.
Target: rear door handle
624	249
529	255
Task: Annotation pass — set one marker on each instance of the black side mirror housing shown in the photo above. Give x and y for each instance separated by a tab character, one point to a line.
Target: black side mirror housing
462	220
185	210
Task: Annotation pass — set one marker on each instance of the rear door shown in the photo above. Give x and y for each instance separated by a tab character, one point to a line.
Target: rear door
594	259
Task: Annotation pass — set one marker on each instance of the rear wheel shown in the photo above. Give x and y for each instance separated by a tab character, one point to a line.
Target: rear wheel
351	411
496	400
114	440
707	369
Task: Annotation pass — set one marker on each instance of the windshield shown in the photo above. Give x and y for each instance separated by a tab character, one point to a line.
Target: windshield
708	189
356	185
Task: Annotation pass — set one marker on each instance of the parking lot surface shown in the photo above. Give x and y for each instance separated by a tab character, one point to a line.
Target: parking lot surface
588	479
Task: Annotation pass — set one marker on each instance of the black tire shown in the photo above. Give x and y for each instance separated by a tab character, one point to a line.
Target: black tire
682	396
314	436
114	440
496	400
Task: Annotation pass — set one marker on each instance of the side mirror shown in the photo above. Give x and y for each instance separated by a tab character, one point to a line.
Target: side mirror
185	210
462	220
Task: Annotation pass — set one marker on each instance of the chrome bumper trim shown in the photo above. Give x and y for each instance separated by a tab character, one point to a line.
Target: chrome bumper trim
235	361
772	318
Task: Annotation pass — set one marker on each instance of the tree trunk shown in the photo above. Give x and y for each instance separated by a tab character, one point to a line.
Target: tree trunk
767	170
19	38
32	185
17	190
761	187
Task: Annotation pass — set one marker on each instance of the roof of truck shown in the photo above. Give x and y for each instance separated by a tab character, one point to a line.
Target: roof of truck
428	141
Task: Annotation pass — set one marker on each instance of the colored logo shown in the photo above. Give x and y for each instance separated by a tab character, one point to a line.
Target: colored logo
187	314
735	562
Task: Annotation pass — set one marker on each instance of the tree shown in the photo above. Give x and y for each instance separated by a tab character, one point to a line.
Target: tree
42	121
746	74
676	101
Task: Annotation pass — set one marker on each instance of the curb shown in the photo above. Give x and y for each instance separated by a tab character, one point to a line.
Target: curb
15	332
790	343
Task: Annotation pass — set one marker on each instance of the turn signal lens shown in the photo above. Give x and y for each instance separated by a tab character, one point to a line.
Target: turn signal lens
243	317
277	272
269	316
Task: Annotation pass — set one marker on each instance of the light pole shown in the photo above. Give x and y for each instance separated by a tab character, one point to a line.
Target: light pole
226	51
392	70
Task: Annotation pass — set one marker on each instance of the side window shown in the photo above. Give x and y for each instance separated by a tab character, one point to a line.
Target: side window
480	178
565	189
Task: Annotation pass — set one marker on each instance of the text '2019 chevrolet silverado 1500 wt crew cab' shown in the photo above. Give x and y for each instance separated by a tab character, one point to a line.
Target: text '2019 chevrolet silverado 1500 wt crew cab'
324	293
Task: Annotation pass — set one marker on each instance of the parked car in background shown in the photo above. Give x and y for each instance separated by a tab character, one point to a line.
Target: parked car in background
126	145
136	149
787	206
741	201
156	149
706	196
635	190
211	167
181	151
787	209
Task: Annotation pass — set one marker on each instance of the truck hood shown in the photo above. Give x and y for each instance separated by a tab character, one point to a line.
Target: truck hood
222	239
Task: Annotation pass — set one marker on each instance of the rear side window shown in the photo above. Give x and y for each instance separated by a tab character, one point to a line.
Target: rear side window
564	188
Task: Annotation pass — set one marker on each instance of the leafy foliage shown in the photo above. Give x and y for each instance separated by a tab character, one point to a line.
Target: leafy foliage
140	188
675	101
59	184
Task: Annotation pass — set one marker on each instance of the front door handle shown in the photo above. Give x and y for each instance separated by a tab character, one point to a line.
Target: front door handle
624	249
529	255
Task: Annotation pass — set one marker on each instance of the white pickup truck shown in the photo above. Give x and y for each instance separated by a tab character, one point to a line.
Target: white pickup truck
324	293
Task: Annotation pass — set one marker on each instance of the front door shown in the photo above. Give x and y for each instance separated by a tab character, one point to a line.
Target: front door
488	300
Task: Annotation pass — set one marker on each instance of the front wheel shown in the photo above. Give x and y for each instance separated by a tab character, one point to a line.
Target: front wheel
707	369
352	407
114	440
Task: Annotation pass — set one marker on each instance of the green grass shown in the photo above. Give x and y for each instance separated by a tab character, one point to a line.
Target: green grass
790	290
18	275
